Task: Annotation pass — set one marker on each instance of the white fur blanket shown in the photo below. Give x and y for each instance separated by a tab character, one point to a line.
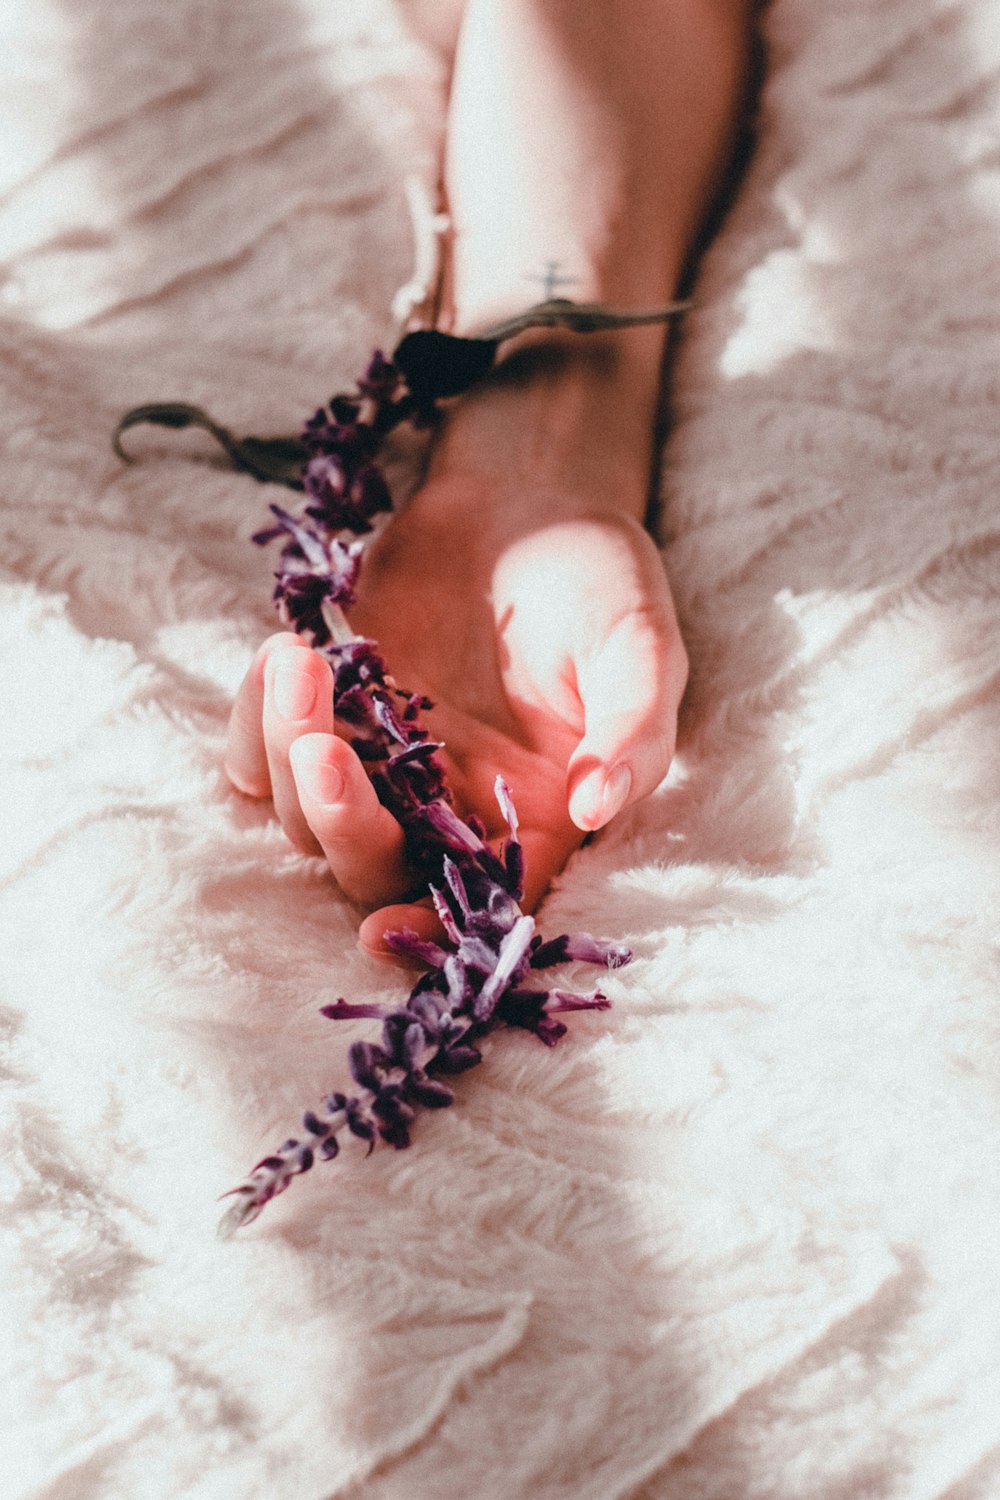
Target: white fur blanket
738	1237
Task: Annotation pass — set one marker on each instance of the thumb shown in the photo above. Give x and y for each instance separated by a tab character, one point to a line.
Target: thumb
631	686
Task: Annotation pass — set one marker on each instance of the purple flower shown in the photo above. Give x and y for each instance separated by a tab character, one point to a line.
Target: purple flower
344	484
476	978
342	499
356	1116
582	947
316	570
381	380
408	944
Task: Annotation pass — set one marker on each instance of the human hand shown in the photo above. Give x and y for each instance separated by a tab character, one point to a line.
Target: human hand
543	630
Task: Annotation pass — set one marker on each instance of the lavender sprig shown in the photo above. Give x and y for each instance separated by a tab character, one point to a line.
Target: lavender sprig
477	982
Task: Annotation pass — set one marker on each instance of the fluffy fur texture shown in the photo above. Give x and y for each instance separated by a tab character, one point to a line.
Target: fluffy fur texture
737	1237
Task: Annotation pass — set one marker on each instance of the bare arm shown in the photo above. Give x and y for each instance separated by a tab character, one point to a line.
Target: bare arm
518	588
591	137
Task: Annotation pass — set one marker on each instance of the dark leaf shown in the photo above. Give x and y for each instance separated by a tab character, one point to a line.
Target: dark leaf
274	460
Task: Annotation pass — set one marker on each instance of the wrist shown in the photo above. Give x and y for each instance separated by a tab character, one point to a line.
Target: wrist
561	413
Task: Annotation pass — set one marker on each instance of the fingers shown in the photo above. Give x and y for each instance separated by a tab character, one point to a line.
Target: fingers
246	759
298	700
281	744
631	686
419	917
360	838
545	853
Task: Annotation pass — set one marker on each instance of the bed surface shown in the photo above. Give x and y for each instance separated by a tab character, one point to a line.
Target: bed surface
735	1238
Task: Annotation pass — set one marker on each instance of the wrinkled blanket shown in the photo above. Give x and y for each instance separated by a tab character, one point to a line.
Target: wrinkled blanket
737	1237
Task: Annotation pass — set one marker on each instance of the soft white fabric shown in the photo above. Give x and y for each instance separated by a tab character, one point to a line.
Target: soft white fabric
736	1238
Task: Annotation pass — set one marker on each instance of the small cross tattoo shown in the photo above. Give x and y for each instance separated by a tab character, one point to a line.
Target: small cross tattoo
552	281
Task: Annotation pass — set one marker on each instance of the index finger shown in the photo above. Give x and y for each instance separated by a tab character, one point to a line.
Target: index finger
246	758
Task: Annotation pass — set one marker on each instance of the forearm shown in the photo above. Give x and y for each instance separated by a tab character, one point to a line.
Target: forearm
517	586
588	135
585	139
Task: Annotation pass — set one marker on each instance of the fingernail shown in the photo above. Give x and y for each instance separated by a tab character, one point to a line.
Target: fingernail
294	691
600	795
616	790
327	783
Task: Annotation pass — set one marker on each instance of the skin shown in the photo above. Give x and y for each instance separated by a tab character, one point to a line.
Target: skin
519	588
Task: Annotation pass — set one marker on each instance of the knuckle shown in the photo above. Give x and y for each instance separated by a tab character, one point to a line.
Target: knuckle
281	638
250	786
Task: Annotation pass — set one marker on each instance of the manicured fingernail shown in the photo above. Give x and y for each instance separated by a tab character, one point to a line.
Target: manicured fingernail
600	795
294	691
